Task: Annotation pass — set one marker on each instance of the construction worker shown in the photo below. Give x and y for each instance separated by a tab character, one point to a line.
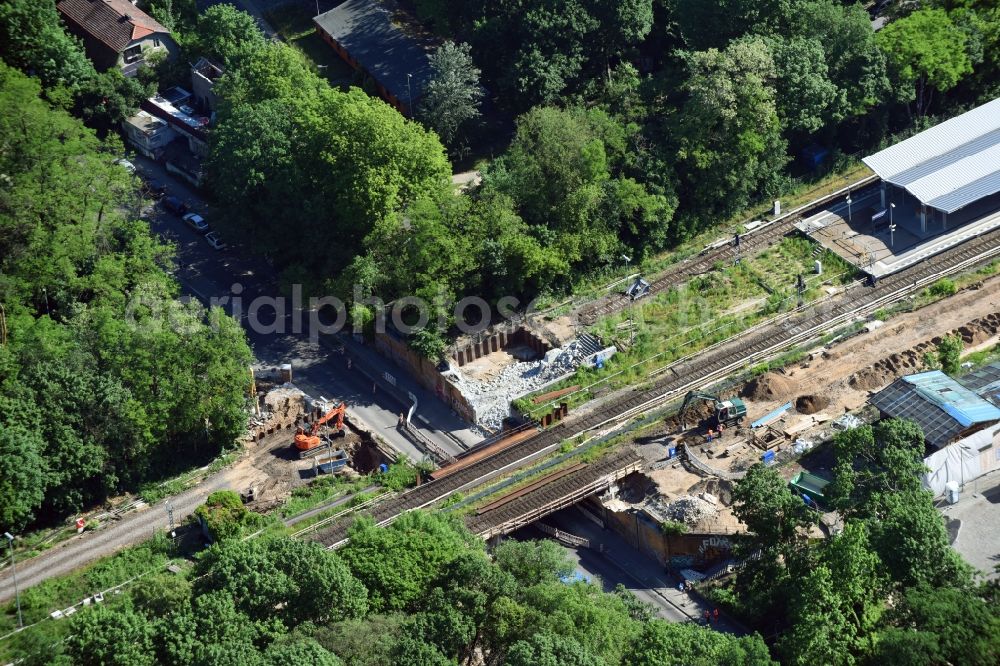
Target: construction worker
711	435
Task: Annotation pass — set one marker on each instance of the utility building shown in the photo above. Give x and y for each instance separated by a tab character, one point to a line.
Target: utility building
961	427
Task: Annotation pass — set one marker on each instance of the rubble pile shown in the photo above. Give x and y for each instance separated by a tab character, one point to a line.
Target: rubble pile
491	399
686	509
280	408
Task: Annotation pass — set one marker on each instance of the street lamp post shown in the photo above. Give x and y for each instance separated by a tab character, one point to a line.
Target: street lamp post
409	96
850	219
13	566
892	227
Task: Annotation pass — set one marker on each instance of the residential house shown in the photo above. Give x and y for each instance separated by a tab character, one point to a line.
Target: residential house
148	134
961	427
116	33
204	74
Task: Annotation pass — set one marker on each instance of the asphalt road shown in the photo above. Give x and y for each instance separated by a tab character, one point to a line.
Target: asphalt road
89	546
207	273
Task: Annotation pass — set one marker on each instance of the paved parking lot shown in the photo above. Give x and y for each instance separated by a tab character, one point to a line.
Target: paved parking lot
978	516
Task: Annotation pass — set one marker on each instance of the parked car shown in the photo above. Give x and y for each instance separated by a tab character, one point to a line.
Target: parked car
125	164
196	222
155	188
214	240
174	205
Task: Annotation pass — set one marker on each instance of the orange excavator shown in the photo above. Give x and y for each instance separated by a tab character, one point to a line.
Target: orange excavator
308	441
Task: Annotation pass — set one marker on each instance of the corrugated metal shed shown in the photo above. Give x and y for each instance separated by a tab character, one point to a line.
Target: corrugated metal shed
949	165
940	405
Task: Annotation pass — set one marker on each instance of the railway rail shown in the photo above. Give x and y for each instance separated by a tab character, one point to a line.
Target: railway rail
751	243
549	494
756	345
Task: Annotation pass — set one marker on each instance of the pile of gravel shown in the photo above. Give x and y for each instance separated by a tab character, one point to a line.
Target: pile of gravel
687	509
491	399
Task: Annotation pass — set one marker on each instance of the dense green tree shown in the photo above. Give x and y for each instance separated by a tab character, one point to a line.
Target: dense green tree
949	352
664	644
533	562
936	625
35	42
875	461
453	95
224	33
102	366
730	148
909	536
22	473
706	24
855	63
926	52
775	518
299	653
805	94
398	564
104	636
550	650
302	579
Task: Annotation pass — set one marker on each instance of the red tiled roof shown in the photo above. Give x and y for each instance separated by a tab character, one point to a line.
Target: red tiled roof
114	23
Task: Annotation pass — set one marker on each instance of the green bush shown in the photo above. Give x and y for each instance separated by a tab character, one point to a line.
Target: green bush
673	528
943	287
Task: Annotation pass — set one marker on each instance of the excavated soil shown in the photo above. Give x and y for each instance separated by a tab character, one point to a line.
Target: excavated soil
910	361
769	386
810	404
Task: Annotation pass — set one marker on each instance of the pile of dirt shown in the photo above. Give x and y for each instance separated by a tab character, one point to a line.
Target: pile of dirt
810	404
769	386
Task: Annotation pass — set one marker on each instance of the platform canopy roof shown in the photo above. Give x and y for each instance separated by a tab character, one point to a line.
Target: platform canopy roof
949	165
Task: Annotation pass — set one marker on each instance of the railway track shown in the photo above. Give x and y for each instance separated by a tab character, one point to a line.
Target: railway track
551	493
751	244
758	344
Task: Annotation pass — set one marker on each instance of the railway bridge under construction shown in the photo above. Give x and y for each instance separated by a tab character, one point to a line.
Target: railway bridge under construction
761	343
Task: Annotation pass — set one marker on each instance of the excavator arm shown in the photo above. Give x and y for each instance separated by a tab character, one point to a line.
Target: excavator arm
689	398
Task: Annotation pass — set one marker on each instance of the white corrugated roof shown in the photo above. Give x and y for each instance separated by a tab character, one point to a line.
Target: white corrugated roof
949	165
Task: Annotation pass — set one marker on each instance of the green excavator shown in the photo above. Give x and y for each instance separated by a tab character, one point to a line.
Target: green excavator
726	413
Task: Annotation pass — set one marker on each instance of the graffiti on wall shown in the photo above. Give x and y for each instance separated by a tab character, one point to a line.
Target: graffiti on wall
714	548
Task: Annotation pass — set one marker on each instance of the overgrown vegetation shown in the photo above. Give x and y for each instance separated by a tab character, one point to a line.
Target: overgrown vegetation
887	589
422	591
105	379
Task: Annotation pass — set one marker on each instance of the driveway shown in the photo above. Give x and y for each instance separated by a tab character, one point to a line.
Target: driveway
976	519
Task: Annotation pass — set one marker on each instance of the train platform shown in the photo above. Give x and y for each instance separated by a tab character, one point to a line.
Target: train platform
860	235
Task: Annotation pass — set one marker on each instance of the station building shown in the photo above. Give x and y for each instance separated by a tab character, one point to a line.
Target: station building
935	190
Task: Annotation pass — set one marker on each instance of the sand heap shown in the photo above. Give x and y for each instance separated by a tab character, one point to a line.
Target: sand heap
769	386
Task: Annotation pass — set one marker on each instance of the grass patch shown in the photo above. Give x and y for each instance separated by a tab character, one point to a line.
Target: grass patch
319	491
707	309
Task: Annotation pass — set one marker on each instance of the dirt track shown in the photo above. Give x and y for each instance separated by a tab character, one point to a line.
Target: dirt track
848	373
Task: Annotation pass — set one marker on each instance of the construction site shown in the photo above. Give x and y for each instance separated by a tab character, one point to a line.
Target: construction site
293	439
